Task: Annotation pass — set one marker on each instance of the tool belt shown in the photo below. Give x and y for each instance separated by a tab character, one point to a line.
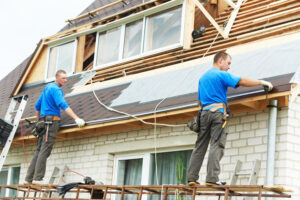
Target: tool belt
216	107
41	125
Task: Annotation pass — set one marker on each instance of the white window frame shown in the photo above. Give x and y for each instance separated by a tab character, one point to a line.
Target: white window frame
146	165
143	15
145	168
9	177
73	61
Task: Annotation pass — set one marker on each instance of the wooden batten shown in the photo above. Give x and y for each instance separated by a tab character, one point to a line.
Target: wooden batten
189	23
80	54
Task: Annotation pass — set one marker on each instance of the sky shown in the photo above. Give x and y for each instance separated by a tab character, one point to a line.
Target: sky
24	22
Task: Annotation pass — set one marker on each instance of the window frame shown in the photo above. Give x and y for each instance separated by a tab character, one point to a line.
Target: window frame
73	60
143	15
146	156
9	176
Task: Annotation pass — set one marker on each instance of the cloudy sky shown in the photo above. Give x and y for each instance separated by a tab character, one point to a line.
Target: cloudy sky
24	22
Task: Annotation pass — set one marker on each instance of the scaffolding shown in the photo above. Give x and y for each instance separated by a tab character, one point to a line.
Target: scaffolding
139	192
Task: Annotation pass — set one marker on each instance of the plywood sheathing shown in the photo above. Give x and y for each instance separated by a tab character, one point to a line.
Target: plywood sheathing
38	74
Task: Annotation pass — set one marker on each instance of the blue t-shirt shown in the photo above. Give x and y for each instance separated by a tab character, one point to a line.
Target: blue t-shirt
51	101
213	86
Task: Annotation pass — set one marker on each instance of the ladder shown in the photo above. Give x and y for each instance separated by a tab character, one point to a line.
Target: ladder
253	173
12	118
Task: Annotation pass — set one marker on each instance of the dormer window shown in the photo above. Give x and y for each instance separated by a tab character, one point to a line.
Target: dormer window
152	33
61	57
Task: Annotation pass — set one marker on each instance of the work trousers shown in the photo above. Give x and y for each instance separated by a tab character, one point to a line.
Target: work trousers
210	126
37	167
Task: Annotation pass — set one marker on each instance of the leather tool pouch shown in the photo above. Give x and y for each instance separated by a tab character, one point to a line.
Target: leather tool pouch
194	124
39	128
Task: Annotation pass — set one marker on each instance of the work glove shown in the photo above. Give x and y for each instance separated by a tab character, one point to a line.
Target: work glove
267	84
80	122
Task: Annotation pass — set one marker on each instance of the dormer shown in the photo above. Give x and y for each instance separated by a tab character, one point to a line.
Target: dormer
132	34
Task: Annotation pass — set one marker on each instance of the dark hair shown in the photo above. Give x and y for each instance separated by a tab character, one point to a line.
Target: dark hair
59	72
219	55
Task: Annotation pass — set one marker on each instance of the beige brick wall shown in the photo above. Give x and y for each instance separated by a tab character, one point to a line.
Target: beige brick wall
247	141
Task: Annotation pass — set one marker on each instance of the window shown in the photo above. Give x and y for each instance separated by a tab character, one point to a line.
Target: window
150	34
133	39
141	170
163	29
171	167
9	176
61	57
109	44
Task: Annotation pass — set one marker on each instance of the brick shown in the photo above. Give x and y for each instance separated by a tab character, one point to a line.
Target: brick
178	129
260	148
122	136
247	119
166	130
262	124
234	120
143	132
229	152
239	143
133	134
231	128
233	136
246	150
283	121
254	141
254	125
239	127
247	134
112	137
246	126
262	116
282	113
261	132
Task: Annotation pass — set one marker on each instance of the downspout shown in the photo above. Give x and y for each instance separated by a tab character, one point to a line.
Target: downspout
271	142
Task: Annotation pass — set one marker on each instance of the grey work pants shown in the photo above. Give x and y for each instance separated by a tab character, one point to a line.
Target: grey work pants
37	167
210	126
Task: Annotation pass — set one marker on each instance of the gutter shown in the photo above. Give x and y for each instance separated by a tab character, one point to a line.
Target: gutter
97	121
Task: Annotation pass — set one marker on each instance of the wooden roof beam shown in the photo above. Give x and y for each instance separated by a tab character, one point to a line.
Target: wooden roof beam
224	32
93	12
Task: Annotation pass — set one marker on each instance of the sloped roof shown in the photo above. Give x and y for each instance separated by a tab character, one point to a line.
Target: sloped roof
103	13
277	63
8	83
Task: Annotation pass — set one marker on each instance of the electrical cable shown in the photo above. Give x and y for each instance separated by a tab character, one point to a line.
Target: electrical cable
172	91
130	115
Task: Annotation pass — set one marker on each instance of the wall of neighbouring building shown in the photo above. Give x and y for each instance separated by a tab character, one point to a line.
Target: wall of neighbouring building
246	141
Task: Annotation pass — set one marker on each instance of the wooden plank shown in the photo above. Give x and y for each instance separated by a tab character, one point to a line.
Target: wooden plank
93	12
80	54
189	23
208	16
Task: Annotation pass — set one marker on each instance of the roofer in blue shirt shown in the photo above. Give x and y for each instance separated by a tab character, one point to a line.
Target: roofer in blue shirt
48	115
212	93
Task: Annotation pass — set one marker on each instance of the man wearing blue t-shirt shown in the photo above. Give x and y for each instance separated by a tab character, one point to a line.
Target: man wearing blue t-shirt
212	93
48	114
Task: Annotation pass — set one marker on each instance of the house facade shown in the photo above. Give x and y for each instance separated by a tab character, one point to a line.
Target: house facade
138	58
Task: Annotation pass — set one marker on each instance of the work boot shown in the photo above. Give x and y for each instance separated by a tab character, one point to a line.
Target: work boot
27	183
215	183
193	183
